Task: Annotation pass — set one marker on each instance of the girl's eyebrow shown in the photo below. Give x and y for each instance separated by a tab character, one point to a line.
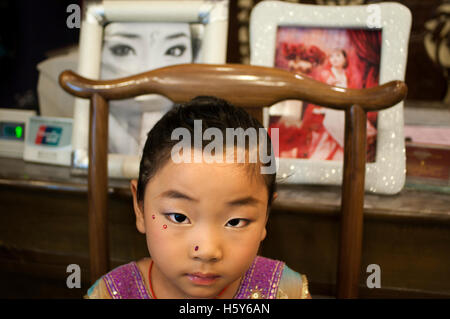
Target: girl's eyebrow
249	200
174	194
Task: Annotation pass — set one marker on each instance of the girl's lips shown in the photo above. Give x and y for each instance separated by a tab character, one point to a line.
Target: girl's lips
202	279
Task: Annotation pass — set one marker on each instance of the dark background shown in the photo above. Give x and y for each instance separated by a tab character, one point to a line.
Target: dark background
29	31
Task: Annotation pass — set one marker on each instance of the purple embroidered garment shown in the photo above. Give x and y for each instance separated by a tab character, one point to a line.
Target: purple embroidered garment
126	282
261	281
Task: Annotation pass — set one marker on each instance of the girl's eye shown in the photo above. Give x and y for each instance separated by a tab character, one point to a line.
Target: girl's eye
122	50
176	50
237	222
177	218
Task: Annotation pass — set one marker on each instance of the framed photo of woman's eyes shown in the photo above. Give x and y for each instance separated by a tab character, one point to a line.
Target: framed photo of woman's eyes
350	47
123	38
134	47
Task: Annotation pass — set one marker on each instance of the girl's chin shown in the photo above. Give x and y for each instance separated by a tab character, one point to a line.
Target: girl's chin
203	296
202	293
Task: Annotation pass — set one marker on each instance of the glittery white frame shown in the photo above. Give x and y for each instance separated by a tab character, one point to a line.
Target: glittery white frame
387	174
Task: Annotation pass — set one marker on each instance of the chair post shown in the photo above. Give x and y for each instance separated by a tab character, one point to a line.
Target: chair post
352	203
98	187
257	113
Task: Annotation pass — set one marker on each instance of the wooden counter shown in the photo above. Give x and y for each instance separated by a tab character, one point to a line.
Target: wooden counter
43	228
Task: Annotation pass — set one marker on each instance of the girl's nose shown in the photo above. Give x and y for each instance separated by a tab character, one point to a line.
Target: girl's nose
206	247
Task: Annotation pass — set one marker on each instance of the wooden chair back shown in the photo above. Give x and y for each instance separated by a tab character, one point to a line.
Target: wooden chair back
250	87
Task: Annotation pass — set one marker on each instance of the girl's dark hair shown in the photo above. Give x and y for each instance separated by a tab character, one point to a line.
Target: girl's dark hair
346	59
213	112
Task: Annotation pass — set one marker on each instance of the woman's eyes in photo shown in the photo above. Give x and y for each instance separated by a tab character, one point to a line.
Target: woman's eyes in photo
122	50
238	222
177	218
176	50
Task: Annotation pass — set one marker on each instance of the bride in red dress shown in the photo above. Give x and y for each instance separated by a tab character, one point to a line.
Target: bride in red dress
324	126
321	133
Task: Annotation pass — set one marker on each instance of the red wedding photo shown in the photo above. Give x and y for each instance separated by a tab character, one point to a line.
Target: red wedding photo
348	58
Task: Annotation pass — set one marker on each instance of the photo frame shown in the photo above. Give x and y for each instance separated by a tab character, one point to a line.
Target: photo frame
210	20
386	173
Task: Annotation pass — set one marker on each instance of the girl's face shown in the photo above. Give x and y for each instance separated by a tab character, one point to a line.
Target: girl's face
337	59
131	48
204	223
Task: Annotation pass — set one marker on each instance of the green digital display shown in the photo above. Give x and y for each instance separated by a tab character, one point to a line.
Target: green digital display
12	131
19	131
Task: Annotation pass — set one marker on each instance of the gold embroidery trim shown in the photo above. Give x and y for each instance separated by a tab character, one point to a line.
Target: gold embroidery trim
305	292
281	294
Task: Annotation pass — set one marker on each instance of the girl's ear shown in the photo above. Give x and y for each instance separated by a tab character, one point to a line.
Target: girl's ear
138	208
275	195
264	233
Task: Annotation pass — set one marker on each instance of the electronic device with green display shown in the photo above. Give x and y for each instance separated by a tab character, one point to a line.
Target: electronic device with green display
13	127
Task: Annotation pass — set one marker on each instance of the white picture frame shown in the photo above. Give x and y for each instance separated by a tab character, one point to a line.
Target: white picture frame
386	175
213	15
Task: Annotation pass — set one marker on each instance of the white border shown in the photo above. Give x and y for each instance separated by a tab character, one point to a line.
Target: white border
387	174
214	16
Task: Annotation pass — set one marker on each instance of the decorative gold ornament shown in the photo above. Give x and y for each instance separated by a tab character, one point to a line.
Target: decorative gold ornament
256	293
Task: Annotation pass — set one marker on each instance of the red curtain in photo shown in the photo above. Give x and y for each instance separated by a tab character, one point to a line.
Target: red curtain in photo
368	47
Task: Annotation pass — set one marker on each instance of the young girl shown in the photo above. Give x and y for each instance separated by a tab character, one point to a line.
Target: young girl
203	220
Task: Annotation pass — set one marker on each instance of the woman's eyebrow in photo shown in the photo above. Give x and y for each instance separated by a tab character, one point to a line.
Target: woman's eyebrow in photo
176	35
124	35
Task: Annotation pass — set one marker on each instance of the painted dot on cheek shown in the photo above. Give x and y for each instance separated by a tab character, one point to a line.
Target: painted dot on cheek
164	226
153	216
